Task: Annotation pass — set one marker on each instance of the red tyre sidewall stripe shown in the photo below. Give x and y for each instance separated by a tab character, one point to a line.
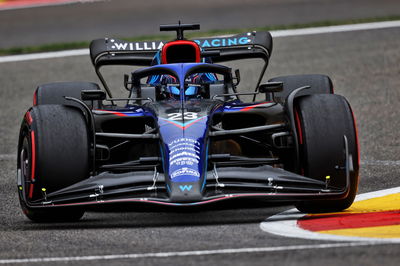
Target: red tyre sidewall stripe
298	126
300	134
35	97
28	118
33	164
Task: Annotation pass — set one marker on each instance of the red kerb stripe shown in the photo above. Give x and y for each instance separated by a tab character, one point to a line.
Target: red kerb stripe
347	221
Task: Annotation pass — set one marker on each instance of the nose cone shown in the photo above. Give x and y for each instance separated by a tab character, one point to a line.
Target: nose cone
183	132
185	159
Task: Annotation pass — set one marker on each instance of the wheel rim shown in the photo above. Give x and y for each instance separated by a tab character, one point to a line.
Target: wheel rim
25	165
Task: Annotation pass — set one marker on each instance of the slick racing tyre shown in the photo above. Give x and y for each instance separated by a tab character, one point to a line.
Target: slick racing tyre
320	84
53	93
321	121
53	153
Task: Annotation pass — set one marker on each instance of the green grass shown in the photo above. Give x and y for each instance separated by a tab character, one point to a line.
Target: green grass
85	44
44	48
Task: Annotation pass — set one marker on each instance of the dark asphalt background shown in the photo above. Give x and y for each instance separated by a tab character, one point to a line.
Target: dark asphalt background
364	66
116	18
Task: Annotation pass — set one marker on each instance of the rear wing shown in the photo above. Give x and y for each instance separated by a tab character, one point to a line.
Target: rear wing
118	52
109	51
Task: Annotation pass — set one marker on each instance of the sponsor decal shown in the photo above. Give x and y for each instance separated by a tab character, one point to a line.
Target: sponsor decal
184	141
184	116
136	46
184	161
185	171
221	42
185	187
184	158
187	154
157	45
190	118
184	151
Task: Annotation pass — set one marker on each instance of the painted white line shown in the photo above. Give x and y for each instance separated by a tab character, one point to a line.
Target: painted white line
48	55
339	28
188	253
380	162
285	223
276	34
7	156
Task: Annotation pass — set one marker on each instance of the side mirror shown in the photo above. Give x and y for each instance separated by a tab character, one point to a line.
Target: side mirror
93	95
271	87
127	83
237	77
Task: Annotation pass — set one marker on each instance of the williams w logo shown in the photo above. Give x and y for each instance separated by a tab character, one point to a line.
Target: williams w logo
186	187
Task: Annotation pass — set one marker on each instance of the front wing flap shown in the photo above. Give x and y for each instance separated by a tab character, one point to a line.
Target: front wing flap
264	182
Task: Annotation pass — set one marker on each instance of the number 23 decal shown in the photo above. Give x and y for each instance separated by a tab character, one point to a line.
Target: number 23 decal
180	116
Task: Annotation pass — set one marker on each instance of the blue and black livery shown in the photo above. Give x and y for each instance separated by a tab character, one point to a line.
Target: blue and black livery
185	137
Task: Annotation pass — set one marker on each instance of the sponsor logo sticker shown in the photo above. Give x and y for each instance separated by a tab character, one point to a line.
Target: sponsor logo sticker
185	187
157	45
185	171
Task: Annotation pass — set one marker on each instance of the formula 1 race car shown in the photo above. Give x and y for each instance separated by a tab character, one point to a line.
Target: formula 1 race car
183	136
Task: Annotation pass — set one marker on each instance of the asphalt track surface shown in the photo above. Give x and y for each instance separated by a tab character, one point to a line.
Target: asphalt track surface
116	18
364	68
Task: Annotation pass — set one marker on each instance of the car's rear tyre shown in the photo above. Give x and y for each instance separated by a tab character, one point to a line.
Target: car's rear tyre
320	84
54	93
322	120
53	153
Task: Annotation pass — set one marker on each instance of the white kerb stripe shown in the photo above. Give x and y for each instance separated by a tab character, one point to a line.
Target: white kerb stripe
275	34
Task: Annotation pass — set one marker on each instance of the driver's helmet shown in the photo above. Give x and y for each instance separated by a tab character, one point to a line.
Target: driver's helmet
200	78
194	82
190	91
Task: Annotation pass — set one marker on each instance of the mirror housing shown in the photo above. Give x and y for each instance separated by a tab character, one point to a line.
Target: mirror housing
93	95
237	77
271	87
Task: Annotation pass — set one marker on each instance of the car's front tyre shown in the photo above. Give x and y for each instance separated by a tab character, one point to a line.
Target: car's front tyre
53	153
322	120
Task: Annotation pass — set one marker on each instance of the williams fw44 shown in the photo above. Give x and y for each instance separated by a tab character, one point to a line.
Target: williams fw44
186	133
